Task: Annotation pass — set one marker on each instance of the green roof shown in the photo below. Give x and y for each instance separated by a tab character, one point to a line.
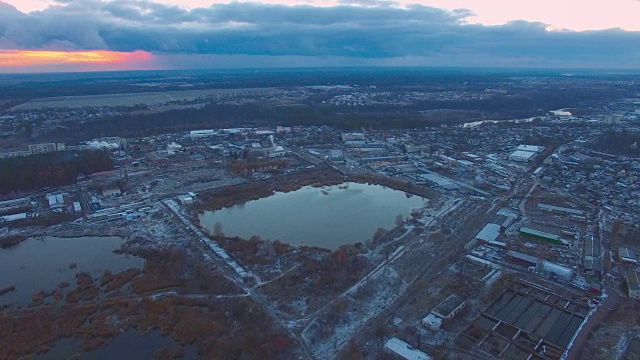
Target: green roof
538	233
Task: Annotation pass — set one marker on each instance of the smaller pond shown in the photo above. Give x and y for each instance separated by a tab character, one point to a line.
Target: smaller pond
42	264
128	345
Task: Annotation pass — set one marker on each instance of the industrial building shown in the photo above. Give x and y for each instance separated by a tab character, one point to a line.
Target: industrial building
531	148
592	260
112	191
56	201
627	255
490	234
44	148
560	209
522	156
633	284
540	235
439	181
503	221
554	269
536	321
402	350
520	259
14	203
187	199
450	307
337	155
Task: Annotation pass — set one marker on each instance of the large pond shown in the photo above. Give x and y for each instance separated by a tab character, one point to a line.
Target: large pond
42	264
128	345
325	217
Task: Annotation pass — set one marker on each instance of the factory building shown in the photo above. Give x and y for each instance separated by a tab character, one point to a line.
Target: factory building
490	234
43	148
556	270
447	309
337	155
522	156
633	284
560	209
520	259
627	256
540	235
401	350
503	221
531	148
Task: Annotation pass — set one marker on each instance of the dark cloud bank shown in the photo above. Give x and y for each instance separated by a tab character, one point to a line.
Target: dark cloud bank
374	32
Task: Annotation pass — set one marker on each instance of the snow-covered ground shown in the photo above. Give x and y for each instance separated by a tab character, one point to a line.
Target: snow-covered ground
329	331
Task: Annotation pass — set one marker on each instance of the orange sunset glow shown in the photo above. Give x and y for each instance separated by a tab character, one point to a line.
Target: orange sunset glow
22	58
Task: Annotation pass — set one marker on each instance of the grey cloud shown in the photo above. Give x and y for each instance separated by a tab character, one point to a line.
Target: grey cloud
375	29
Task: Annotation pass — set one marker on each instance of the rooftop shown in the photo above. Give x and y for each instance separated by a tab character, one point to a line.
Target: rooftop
531	148
405	350
633	280
522	154
539	233
627	253
560	209
489	232
448	305
521	256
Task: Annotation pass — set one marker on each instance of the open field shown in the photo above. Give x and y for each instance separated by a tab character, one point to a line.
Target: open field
132	99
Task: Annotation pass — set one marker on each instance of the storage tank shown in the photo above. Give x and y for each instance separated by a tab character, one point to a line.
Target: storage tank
556	269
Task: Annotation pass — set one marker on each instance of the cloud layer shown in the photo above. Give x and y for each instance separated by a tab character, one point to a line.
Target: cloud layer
359	29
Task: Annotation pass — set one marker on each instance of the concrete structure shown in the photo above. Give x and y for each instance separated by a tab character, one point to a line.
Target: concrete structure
627	255
56	201
402	350
521	259
531	148
14	217
522	156
15	203
489	233
42	148
337	155
633	284
432	322
559	209
356	136
277	151
591	247
503	221
439	181
113	191
203	133
185	199
450	307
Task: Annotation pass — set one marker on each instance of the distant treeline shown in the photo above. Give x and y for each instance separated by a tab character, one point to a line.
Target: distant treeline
618	143
426	113
54	169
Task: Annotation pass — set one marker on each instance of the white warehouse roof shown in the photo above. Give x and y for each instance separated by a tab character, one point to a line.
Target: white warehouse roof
521	155
531	148
489	233
405	350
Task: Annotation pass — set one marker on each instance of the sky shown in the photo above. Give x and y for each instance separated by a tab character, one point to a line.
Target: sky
93	35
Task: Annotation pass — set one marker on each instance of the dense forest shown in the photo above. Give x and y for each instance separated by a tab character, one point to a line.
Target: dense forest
54	169
618	143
